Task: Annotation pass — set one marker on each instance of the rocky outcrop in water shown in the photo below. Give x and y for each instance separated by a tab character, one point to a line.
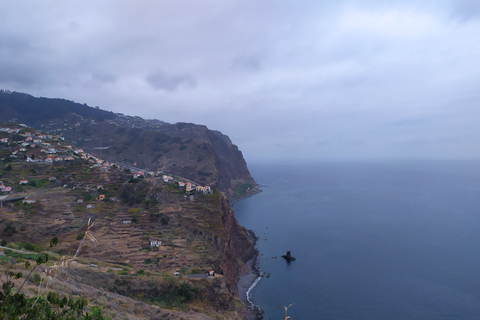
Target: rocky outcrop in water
288	257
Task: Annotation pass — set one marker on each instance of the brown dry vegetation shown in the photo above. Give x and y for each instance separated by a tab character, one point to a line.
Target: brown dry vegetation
197	236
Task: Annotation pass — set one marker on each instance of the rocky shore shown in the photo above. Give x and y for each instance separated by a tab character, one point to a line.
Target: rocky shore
247	280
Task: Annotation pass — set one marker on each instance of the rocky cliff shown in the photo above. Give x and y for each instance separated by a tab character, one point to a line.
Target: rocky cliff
188	150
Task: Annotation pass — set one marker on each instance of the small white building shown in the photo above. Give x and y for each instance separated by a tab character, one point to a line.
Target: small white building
155	243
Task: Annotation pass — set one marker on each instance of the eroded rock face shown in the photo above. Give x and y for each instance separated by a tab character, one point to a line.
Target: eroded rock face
237	248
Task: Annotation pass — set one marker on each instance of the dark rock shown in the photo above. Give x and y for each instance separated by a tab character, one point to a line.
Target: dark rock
288	257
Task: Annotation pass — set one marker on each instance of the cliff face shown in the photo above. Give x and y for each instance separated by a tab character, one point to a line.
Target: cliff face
237	249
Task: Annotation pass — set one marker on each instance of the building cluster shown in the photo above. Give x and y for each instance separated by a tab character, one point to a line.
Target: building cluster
30	145
188	186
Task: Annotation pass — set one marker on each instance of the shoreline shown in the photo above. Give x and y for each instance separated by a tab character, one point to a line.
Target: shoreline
255	191
249	280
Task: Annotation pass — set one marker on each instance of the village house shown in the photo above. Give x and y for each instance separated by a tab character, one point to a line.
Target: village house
23	182
167	178
80	201
4	140
190	187
155	243
139	175
127	221
90	206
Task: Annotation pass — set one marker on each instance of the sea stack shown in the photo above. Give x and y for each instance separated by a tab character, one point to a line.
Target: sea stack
288	257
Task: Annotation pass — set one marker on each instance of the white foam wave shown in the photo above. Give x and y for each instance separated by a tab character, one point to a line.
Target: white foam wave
251	287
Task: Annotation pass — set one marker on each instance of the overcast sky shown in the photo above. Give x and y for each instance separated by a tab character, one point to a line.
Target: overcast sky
313	79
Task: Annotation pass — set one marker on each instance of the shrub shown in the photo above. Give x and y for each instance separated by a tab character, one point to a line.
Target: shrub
9	229
32	247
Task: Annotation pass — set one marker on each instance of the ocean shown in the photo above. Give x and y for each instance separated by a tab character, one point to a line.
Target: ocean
372	240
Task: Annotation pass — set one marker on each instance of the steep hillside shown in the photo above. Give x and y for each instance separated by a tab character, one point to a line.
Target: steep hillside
147	229
184	149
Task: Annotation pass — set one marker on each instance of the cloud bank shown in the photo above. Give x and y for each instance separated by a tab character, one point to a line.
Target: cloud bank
285	80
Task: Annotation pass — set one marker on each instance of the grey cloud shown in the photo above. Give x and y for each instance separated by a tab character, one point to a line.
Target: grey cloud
466	9
162	81
104	77
250	62
410	121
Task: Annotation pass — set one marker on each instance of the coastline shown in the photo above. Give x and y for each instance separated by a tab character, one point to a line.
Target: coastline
255	191
248	281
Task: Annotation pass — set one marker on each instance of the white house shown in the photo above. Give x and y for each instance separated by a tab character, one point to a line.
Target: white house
155	243
167	178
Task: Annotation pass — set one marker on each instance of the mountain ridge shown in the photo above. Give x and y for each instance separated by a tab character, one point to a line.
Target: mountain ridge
185	149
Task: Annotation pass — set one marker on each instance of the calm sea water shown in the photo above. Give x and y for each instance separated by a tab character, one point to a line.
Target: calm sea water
372	240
